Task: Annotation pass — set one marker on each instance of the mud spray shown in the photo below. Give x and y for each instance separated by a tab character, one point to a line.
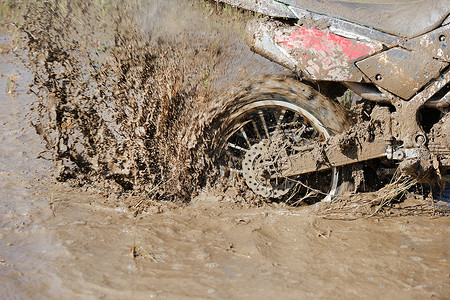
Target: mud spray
120	84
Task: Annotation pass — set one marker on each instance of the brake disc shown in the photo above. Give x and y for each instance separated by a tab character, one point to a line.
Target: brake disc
258	166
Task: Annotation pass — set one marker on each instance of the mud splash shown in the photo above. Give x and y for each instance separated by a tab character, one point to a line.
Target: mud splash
119	83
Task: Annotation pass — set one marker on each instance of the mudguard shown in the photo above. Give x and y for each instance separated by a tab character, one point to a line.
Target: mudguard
404	18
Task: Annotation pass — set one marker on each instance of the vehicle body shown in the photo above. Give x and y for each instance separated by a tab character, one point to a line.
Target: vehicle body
394	54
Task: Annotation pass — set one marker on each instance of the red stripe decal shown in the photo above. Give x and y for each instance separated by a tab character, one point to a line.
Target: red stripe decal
314	39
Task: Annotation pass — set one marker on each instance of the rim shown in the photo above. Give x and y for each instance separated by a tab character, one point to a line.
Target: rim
289	127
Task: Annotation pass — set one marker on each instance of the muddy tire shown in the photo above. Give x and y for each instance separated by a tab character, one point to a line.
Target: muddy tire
279	111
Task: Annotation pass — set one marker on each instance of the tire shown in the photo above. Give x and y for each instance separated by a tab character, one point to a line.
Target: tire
254	129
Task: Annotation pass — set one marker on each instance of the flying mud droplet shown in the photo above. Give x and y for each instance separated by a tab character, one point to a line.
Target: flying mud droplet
120	86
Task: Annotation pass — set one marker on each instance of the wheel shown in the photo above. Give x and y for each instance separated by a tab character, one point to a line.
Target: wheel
268	120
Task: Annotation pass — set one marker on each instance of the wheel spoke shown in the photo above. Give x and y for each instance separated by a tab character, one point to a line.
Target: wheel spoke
296	117
255	128
301	130
263	121
244	134
314	133
234	146
280	118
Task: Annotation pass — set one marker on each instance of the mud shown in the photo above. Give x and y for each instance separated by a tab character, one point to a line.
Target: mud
117	94
63	241
215	249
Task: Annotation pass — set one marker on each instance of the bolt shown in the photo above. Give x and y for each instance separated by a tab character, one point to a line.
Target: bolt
378	77
442	38
399	155
420	139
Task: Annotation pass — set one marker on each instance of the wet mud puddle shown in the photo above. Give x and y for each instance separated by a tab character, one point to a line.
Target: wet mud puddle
26	247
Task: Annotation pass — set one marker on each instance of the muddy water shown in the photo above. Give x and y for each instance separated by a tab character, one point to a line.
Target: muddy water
215	249
218	250
26	248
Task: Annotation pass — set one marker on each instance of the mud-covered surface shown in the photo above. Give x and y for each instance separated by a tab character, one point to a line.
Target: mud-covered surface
213	249
62	240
